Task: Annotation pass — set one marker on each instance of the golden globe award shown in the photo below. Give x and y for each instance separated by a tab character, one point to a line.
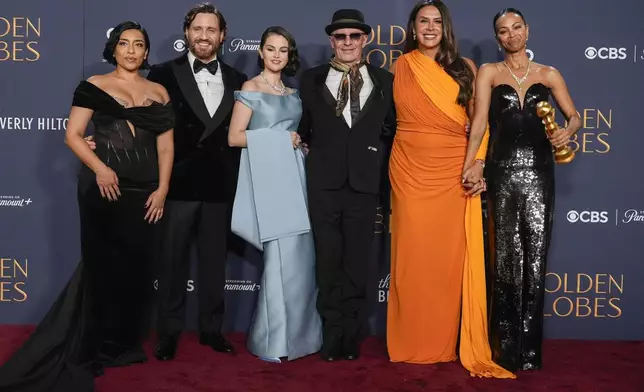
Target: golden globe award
546	112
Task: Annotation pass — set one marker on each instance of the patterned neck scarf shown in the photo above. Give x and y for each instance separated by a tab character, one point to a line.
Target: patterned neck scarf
348	73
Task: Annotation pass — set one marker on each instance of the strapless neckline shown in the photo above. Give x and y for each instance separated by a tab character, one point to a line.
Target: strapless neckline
521	101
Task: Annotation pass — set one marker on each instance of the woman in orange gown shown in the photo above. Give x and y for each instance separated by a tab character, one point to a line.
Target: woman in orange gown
437	263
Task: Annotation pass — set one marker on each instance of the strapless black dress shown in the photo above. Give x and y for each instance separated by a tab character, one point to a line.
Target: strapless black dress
520	176
101	317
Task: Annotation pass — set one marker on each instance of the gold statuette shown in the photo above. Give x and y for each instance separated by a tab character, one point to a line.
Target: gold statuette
546	112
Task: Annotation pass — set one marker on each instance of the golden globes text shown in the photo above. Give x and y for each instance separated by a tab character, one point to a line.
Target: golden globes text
19	37
384	45
593	137
595	295
13	278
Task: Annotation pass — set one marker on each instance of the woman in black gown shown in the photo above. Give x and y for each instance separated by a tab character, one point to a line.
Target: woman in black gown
520	189
101	317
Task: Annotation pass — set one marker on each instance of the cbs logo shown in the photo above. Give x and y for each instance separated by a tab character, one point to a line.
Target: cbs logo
179	45
587	216
530	54
107	34
605	53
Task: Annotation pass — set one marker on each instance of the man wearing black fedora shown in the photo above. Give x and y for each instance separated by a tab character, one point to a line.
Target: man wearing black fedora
348	123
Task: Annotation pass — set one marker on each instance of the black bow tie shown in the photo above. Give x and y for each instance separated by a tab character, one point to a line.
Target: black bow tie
211	66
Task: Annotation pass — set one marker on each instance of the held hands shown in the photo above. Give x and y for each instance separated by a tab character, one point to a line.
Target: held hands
472	179
155	204
474	173
560	137
475	189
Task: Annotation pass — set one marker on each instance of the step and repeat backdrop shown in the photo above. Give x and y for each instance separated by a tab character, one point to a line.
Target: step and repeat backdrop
595	282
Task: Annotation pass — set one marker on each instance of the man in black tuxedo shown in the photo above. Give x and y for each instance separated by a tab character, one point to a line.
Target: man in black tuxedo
348	123
203	183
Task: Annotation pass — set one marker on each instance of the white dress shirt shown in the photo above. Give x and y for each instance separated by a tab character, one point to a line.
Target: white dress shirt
210	86
333	83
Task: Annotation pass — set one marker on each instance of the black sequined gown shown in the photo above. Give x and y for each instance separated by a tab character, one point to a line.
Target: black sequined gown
101	317
520	175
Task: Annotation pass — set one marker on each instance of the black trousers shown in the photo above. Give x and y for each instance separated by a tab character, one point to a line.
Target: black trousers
185	222
343	224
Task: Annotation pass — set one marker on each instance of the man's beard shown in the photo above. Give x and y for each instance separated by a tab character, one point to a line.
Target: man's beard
202	54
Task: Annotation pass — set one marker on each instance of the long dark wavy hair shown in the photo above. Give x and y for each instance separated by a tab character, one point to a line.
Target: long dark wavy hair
293	63
447	57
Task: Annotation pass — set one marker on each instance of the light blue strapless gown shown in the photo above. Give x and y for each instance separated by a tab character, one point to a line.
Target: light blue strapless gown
270	212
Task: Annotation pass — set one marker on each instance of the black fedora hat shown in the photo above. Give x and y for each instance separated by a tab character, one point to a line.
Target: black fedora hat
347	19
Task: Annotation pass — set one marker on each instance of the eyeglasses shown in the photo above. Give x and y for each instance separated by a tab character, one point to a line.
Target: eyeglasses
343	37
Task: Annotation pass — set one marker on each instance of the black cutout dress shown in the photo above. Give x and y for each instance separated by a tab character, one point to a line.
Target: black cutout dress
101	317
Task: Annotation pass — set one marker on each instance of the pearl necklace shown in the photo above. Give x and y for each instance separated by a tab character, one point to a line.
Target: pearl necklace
519	81
280	90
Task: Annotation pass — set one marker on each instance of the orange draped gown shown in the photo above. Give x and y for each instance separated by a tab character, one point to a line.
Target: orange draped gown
437	261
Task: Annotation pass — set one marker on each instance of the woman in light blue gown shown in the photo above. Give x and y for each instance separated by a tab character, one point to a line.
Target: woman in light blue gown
270	210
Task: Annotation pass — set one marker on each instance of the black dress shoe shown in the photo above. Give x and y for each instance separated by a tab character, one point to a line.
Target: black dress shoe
216	341
331	350
350	350
166	348
351	354
330	355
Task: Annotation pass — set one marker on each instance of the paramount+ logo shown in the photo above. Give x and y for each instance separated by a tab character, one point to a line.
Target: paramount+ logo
587	216
593	53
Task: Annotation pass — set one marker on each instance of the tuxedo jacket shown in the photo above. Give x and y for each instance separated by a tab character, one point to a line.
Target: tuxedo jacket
339	154
205	166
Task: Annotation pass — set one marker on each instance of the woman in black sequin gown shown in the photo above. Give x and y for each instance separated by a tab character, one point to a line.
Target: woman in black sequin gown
101	317
520	189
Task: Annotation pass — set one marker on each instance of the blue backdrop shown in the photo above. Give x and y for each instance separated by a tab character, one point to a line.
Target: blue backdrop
595	267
